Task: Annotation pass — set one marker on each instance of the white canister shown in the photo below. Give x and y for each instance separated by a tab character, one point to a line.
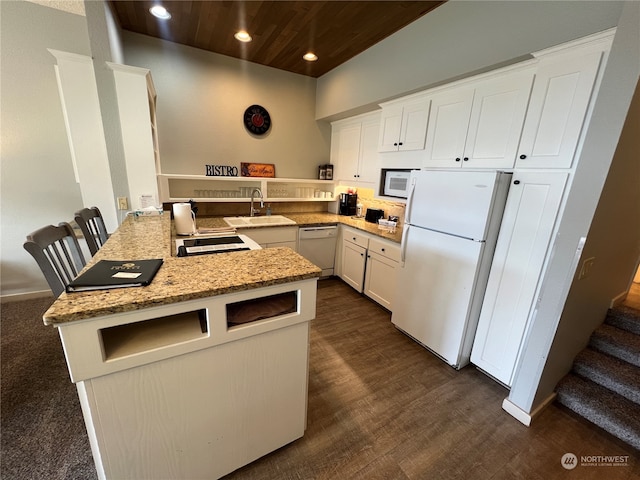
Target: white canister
184	219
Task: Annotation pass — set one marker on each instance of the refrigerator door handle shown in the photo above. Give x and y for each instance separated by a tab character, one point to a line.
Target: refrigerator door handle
403	242
407	211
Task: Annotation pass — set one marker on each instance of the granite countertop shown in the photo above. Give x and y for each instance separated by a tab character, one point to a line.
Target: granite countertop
179	279
189	278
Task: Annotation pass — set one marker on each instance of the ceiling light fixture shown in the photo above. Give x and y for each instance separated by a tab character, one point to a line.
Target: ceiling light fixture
160	12
243	36
310	57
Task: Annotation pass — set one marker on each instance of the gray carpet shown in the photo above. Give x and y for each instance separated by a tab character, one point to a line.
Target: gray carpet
43	434
604	384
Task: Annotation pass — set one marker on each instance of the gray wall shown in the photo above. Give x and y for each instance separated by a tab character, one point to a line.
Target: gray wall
38	185
202	97
104	38
455	40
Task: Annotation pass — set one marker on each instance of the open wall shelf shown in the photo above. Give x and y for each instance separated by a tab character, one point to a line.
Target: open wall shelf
181	188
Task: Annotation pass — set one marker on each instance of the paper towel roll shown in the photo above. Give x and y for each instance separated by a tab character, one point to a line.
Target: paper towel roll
184	219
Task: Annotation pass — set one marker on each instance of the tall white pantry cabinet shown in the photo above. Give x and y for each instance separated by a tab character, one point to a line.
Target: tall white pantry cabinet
557	116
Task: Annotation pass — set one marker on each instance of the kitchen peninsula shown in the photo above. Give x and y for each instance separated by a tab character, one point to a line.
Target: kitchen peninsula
201	372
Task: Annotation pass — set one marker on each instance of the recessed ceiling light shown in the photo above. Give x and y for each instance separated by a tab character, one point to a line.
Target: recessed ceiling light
310	57
243	36
160	12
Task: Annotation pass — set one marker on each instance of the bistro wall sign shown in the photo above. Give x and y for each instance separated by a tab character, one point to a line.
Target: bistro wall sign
221	171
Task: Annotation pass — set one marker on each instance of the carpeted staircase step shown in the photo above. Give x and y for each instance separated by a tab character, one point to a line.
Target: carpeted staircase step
625	318
610	411
617	343
609	372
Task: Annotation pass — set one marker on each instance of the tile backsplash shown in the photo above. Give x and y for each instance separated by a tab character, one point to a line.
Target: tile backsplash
367	199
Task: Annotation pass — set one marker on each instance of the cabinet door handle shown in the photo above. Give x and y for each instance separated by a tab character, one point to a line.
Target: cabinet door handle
522	157
395	144
466	159
457	159
354	239
516	182
382	249
400	143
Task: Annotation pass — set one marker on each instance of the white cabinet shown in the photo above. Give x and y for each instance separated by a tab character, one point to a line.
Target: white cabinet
557	110
273	237
85	132
525	234
354	251
369	264
383	258
403	126
136	107
354	149
479	124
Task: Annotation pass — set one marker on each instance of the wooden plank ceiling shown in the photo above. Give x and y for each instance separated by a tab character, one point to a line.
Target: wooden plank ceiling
282	31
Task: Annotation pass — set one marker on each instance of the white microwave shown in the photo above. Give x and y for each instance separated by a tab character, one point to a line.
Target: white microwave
395	182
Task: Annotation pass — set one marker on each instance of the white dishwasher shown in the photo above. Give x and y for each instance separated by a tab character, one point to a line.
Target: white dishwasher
318	245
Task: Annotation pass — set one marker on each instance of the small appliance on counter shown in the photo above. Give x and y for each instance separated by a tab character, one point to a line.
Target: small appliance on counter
186	247
348	204
373	215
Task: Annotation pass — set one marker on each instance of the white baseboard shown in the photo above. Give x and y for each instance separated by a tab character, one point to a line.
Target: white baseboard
16	297
522	416
618	299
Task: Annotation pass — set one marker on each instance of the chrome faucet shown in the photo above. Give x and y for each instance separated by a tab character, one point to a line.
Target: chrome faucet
255	210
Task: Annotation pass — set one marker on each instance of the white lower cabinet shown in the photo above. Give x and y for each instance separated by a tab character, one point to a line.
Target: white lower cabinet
525	235
381	271
369	264
354	258
273	237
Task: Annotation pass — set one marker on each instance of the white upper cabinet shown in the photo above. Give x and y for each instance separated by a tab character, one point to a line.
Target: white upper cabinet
479	124
557	111
403	126
450	113
354	150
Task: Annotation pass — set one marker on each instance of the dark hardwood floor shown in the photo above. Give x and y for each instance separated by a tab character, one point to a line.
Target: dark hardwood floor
382	407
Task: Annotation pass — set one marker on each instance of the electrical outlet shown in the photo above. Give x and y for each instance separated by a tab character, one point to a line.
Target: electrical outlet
123	204
587	266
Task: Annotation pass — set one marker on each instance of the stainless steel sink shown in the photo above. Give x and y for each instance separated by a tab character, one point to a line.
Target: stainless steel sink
270	220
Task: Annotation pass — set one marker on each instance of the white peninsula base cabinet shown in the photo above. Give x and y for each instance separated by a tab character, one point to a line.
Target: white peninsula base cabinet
177	392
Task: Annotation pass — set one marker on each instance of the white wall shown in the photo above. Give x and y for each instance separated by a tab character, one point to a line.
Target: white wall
202	97
455	40
38	185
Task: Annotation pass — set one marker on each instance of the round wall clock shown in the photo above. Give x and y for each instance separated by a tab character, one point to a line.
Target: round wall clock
257	120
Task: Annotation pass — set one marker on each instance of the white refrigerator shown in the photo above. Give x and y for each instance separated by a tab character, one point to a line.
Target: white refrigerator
452	219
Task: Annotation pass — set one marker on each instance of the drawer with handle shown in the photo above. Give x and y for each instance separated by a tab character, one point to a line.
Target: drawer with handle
355	237
384	248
